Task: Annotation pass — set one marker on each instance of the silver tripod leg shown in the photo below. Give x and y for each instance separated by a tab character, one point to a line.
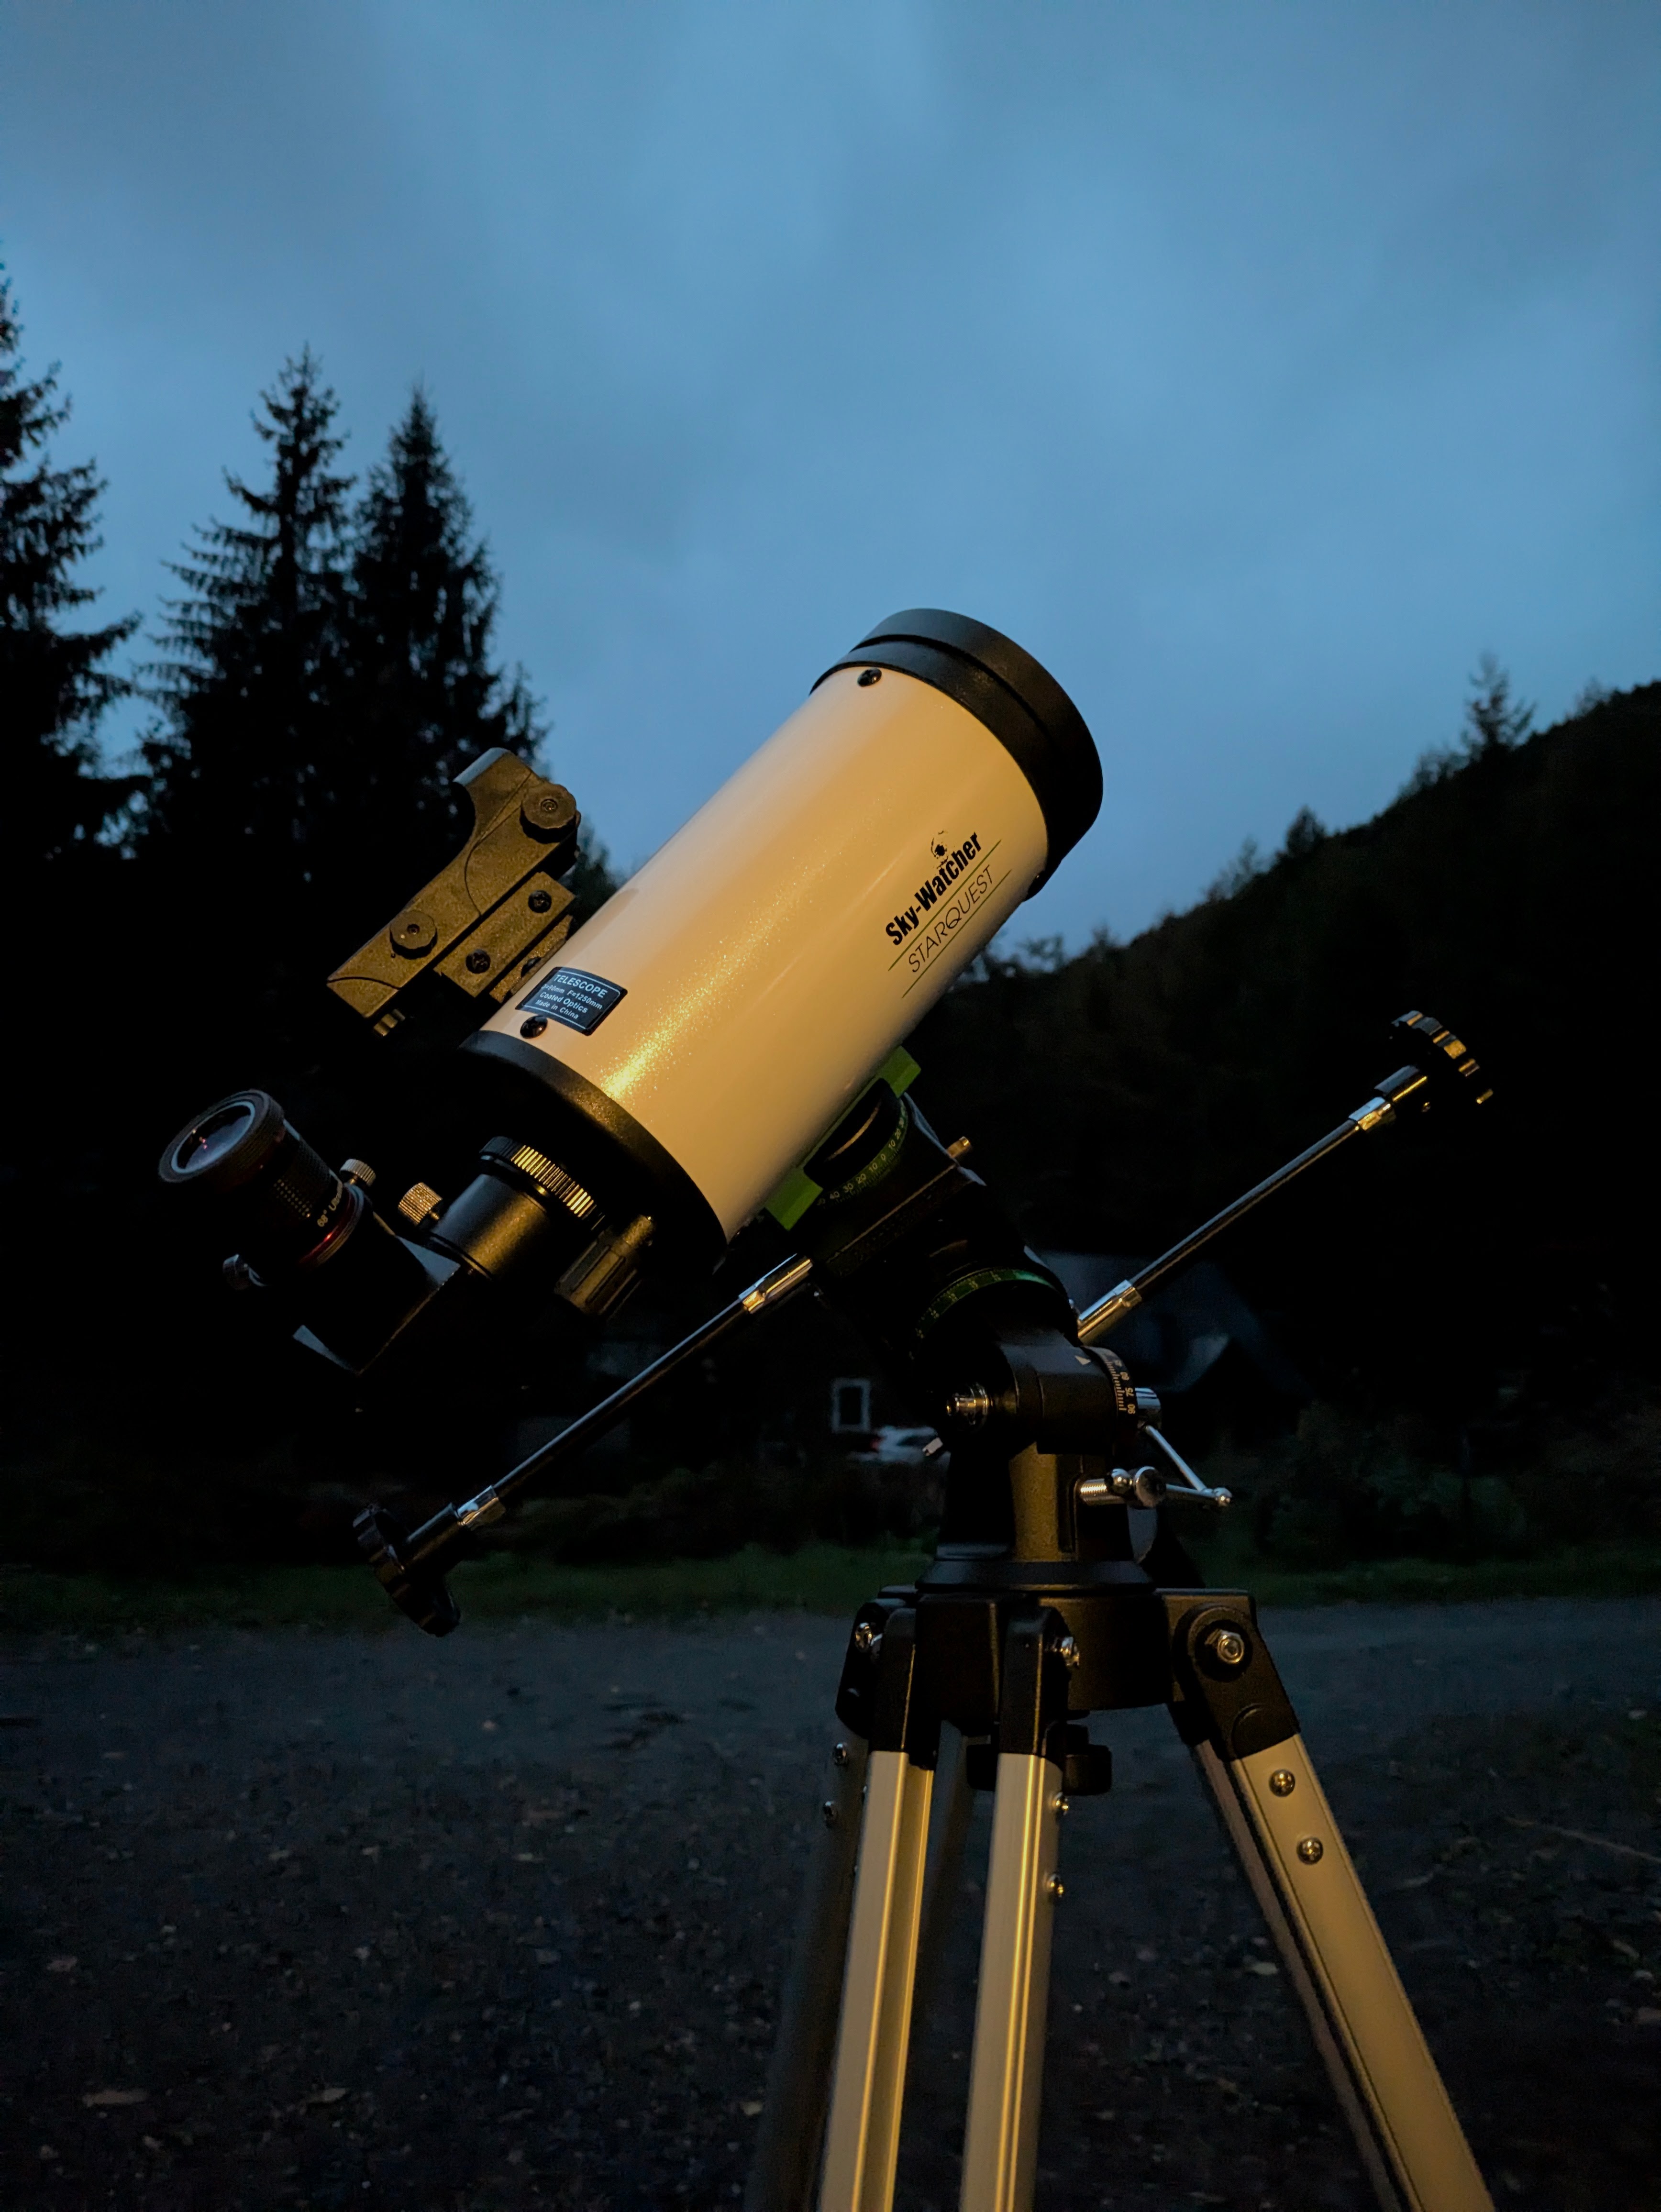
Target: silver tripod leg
863	2134
1386	2081
1006	2078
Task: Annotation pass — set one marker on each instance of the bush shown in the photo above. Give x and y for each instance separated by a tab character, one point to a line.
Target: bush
708	1512
1343	1488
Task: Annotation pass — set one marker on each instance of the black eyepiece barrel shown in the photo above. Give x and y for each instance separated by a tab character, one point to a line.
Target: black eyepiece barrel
281	1202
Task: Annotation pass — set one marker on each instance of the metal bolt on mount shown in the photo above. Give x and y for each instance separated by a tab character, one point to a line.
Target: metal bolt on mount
839	1755
828	1813
1068	1653
1310	1850
1228	1647
866	1640
1283	1782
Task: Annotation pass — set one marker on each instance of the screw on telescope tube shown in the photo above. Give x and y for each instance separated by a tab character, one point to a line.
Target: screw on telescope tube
534	1027
870	676
539	902
477	962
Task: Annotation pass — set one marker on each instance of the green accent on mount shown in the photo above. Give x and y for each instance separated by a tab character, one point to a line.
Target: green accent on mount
792	1199
899	1071
799	1190
966	1286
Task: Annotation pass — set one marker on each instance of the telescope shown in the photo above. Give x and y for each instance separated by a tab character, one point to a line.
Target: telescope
725	1041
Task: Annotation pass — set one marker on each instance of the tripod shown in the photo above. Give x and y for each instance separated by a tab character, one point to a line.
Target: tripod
1016	1665
1036	1612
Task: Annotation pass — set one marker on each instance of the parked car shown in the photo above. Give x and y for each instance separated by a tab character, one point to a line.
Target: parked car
895	1447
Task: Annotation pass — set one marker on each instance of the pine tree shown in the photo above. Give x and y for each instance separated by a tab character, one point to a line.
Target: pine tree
426	696
51	681
1494	722
247	764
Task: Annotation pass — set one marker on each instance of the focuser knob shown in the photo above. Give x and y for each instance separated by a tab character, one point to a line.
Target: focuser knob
970	1409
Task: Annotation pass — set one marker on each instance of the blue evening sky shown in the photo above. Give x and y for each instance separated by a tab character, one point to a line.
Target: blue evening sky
1256	365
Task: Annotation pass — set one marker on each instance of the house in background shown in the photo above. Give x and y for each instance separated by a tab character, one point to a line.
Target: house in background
1197	1343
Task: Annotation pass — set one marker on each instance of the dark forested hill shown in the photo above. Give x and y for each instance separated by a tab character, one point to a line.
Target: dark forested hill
1517	895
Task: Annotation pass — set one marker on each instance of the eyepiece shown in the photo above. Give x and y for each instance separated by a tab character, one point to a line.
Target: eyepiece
281	1201
226	1145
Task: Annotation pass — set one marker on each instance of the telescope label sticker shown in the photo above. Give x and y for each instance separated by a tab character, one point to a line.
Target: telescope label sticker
581	1001
943	904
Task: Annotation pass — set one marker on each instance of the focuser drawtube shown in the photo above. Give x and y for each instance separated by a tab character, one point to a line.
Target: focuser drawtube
352	1287
525	1211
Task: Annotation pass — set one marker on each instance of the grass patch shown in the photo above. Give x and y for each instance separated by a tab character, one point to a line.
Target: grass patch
1608	1570
826	1578
821	1578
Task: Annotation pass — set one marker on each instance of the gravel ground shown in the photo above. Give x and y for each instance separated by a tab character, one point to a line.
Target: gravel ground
309	1921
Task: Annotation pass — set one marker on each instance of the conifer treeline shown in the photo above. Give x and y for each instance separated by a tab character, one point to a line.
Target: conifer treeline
324	667
323	675
53	685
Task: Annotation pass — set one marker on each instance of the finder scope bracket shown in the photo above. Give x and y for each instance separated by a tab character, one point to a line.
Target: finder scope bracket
486	923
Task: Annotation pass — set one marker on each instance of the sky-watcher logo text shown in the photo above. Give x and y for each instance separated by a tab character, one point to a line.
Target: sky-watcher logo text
952	864
963	880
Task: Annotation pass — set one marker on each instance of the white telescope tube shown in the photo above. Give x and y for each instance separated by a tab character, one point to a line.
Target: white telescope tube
720	1012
